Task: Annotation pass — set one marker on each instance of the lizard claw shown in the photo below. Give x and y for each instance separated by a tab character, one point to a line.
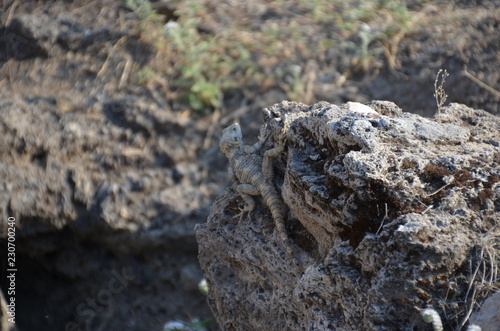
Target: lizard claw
264	133
281	141
241	216
245	210
282	138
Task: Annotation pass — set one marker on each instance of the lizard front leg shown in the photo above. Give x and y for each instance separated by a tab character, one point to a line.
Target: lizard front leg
246	190
267	166
232	175
264	134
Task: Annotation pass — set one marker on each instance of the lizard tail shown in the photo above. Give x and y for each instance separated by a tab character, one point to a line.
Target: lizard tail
280	227
275	204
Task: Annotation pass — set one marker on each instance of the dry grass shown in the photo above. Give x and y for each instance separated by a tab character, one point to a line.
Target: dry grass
439	92
484	280
209	48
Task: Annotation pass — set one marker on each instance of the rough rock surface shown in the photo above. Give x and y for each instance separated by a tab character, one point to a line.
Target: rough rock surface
108	189
390	212
489	315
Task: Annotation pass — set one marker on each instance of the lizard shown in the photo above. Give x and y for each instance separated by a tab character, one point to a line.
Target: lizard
254	175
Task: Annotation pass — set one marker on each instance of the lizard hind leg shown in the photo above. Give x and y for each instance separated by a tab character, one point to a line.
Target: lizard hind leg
245	191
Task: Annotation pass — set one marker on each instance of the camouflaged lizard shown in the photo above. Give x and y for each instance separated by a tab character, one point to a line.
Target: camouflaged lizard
254	175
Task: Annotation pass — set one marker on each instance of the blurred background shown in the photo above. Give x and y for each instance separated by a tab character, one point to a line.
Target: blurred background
111	112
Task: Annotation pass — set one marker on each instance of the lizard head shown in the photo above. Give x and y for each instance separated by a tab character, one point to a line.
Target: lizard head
231	136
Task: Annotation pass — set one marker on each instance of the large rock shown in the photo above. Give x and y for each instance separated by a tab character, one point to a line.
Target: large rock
108	173
43	35
96	192
390	212
488	318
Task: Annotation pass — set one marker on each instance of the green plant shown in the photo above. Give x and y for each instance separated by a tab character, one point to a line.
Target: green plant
149	20
203	286
204	70
296	88
397	21
200	59
197	59
146	74
366	54
142	8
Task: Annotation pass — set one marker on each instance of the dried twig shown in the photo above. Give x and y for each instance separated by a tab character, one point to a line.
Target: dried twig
211	129
9	15
125	73
386	216
439	190
482	84
105	65
429	207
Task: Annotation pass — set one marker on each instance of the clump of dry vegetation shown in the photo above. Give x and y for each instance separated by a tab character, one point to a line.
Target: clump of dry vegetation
203	50
439	92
